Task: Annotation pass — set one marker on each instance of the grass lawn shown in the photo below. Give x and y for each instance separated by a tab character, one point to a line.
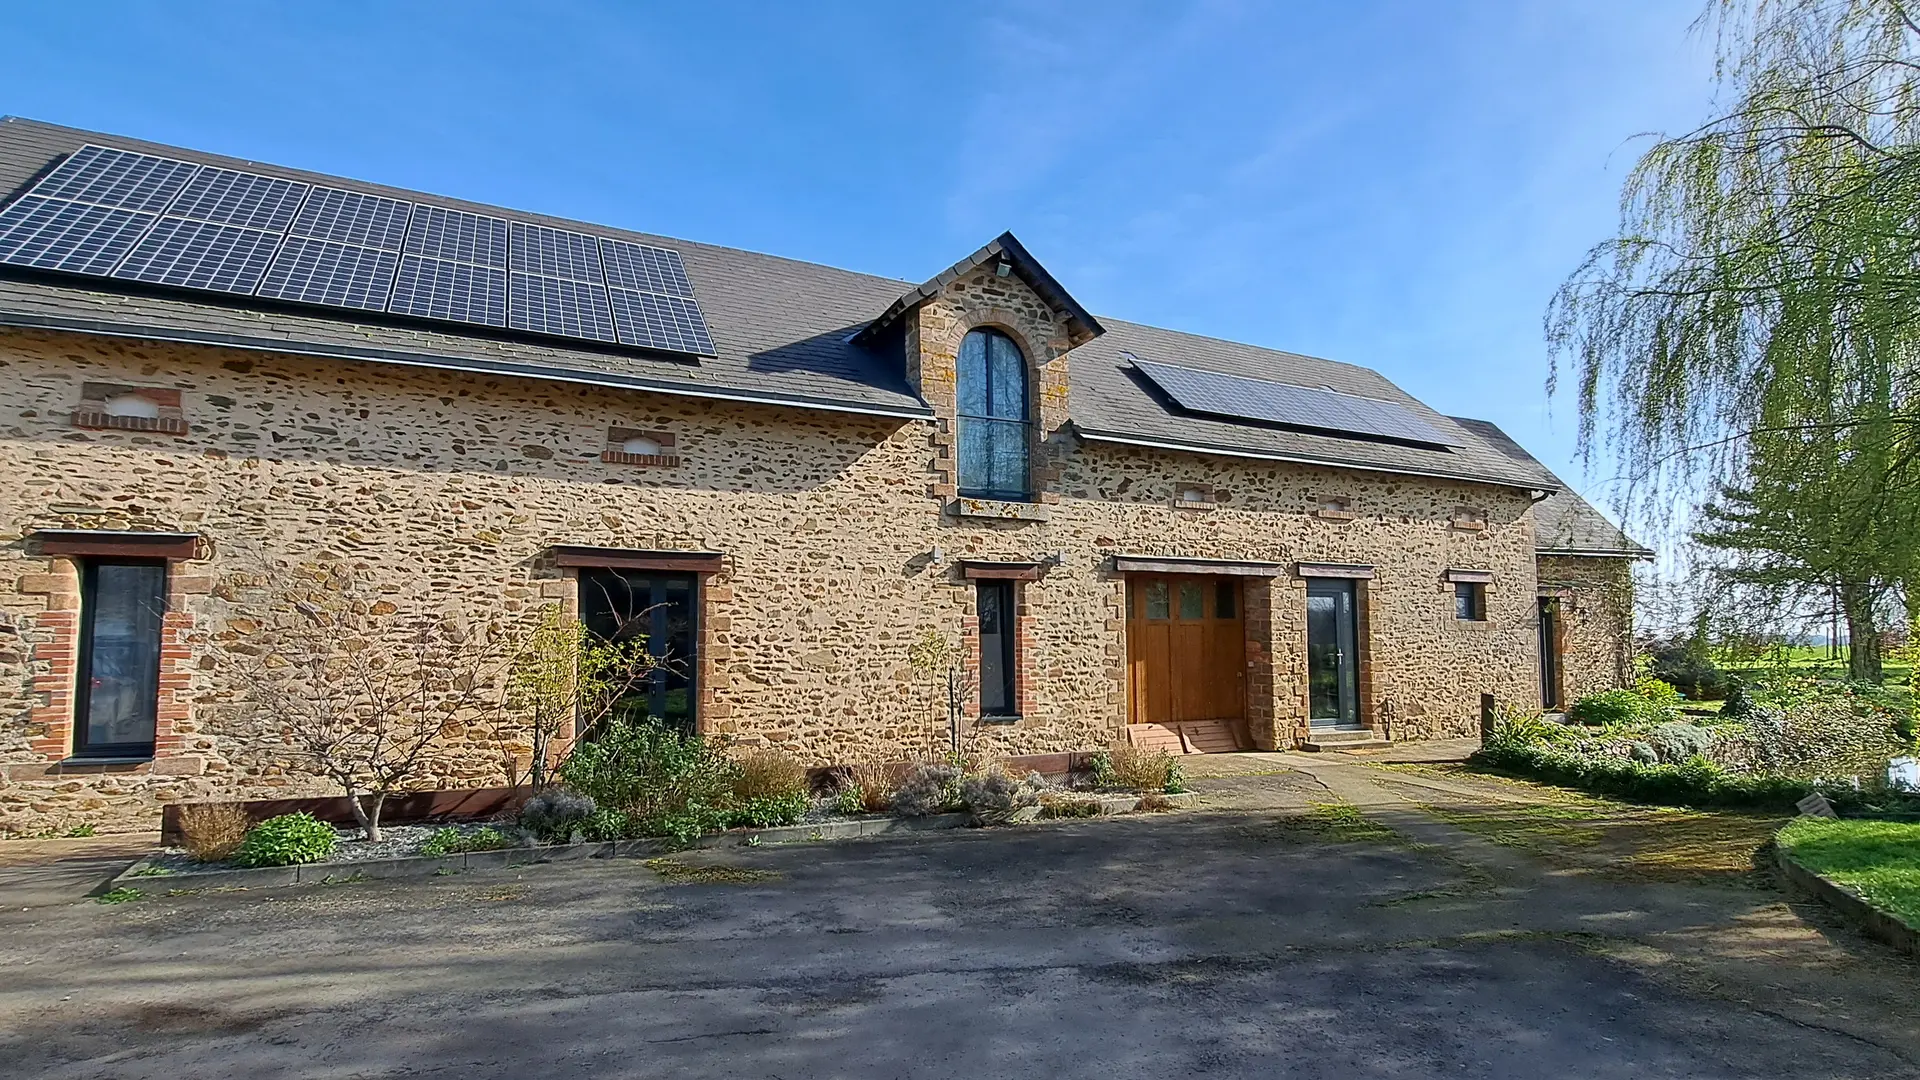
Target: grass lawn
1878	859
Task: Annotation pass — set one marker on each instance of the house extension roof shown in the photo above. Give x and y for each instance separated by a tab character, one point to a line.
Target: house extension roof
785	333
1563	523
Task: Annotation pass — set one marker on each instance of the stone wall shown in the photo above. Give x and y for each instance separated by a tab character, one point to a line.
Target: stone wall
446	491
1596	612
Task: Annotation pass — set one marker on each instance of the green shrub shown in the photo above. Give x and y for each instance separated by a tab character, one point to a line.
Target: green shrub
1696	782
455	841
1102	766
1608	708
770	811
286	840
1676	741
849	800
1658	693
1613	708
661	782
1176	778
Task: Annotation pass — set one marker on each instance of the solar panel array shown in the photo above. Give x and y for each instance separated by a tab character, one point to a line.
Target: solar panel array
1292	406
138	217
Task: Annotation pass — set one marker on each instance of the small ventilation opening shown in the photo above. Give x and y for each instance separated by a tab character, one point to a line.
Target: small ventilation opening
641	446
134	405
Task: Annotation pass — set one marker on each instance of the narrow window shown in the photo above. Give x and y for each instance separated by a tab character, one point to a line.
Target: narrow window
117	695
993	422
996	648
1469	601
1226	600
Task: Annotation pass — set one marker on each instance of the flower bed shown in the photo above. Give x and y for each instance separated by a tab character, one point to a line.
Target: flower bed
1767	750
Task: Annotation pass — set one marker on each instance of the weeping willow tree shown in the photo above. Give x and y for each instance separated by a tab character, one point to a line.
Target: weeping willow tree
1751	334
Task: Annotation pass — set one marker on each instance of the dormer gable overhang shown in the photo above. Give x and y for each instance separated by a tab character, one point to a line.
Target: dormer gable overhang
1002	251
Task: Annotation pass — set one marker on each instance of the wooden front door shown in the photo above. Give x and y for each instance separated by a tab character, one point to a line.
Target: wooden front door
1186	663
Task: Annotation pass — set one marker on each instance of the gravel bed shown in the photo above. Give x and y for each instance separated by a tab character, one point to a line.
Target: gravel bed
396	842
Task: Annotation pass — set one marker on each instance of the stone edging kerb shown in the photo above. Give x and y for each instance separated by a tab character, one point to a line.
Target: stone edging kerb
1875	923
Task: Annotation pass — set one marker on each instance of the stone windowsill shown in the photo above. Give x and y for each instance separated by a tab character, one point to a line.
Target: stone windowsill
1194	504
996	719
1473	624
1470	526
998	509
1335	515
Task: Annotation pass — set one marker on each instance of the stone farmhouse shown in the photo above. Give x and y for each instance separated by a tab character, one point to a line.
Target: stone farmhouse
795	475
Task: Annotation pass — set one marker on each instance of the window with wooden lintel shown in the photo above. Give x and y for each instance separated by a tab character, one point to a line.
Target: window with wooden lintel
995	600
116	702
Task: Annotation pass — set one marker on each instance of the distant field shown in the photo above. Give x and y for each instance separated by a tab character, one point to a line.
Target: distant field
1812	660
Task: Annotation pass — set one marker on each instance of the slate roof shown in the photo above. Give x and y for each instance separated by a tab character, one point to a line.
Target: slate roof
779	326
1563	523
784	333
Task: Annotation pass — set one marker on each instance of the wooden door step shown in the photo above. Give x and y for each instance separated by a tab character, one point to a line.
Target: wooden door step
1190	737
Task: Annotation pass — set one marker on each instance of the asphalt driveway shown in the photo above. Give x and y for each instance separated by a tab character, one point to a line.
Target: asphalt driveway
1261	942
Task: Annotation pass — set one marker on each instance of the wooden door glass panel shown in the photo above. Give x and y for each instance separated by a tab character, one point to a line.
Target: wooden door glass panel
1158	601
1193	602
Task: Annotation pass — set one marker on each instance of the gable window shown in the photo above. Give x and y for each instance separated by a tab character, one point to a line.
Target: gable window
117	693
1470	601
995	604
992	392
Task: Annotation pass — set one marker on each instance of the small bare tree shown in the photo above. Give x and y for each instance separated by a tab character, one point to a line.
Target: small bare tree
361	692
566	684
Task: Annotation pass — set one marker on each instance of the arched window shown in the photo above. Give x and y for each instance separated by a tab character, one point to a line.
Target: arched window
993	420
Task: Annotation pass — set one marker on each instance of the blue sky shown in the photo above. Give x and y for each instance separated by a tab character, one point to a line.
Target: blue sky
1395	184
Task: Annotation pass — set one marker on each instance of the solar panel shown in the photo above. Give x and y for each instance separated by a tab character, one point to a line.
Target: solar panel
1293	406
558	306
645	269
349	217
52	234
140	217
458	291
236	198
457	235
339	275
200	255
557	253
653	321
95	174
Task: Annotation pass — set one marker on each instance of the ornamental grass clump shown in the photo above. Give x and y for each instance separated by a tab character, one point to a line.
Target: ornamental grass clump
212	832
287	840
1136	769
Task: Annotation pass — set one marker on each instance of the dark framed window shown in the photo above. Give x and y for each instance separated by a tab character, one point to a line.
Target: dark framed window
117	696
1470	601
1226	602
662	610
995	601
993	417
